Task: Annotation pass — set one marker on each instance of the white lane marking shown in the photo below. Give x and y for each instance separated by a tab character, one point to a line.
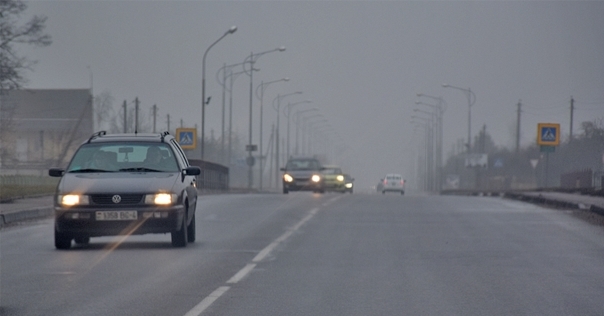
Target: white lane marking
206	302
242	273
264	252
203	305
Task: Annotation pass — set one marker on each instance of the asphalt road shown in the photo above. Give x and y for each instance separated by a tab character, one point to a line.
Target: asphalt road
310	254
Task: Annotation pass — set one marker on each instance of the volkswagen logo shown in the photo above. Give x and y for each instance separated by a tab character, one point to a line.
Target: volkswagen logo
116	199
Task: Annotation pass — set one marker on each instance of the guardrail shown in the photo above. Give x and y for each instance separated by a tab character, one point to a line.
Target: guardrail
213	176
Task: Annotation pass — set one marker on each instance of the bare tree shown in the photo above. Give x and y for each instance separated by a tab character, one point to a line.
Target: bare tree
103	109
12	65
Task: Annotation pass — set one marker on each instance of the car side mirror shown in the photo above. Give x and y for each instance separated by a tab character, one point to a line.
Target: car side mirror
56	172
192	171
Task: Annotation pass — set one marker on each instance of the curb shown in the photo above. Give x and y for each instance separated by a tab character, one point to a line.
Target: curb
14	217
554	203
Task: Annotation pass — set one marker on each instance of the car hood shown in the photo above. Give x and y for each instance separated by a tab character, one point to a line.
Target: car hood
302	173
131	182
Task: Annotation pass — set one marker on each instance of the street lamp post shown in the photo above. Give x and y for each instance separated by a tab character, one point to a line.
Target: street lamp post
203	87
288	114
278	109
251	59
263	85
471	100
223	82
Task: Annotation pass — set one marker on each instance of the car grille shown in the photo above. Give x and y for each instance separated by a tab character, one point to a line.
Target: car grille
107	199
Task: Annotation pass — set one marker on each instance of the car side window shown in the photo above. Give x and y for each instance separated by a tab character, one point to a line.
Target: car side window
180	155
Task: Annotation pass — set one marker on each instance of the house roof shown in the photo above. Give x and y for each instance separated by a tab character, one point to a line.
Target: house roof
43	109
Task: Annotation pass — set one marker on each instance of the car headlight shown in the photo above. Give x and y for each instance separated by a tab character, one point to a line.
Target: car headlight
160	199
340	177
288	178
315	178
348	185
73	199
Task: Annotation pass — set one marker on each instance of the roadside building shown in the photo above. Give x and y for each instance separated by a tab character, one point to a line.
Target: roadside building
42	128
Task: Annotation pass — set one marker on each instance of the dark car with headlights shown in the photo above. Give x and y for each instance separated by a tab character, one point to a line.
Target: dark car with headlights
126	184
303	174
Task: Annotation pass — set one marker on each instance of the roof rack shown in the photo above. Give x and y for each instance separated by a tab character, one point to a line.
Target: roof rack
97	134
163	134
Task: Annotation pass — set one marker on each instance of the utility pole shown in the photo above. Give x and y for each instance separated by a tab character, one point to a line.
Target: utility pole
518	126
154	117
572	109
125	118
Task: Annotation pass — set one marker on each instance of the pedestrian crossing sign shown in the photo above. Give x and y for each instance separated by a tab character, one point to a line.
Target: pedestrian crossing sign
548	134
187	137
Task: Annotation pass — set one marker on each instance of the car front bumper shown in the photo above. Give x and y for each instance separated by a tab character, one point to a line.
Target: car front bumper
86	222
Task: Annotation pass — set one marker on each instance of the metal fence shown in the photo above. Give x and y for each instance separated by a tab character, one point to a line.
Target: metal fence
213	176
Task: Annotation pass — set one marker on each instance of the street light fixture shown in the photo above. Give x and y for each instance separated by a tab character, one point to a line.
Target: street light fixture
263	85
471	100
203	87
251	59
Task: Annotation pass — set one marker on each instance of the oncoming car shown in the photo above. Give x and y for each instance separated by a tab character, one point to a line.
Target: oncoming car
303	174
393	183
333	178
126	184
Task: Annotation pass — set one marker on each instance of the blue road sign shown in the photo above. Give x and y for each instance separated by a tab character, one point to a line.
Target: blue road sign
186	137
548	134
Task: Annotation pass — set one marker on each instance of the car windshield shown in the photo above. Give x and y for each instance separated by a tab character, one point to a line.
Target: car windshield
331	171
303	164
123	157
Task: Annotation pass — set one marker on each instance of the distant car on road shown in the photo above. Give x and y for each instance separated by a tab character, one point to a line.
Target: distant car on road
124	184
348	183
333	178
393	183
303	174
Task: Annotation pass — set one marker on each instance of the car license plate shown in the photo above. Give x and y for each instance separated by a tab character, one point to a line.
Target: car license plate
116	215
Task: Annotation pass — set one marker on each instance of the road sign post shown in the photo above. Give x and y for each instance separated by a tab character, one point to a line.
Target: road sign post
548	137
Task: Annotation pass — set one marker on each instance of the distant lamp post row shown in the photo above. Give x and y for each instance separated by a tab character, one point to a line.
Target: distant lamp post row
204	102
251	60
288	114
260	95
278	109
438	110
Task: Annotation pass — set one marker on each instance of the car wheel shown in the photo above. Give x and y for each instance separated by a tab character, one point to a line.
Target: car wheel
62	240
191	231
402	192
179	237
285	191
383	192
82	240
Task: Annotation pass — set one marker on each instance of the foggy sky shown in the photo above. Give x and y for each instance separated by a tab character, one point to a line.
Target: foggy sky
361	63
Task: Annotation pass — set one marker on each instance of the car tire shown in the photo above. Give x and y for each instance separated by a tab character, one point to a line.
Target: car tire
179	237
285	191
191	230
62	240
402	192
383	192
82	240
